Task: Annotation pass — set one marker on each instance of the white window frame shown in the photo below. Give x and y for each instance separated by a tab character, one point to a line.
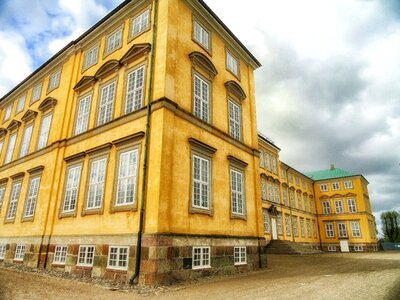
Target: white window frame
237	192
7	112
266	221
339	206
348	184
36	92
113	41
263	189
308	227
295	226
314	227
26	140
279	223
106	103
10	148
71	192
91	57
232	64
351	205
358	248
235	117
274	165
3	248
140	23
82	116
44	133
86	255
240	255
201	35
329	230
128	175
302	228
323	187
14	198
288	226
134	89
19	252
118	257
201	100
331	248
54	80
2	194
285	196
33	191
262	163
96	182
203	200
326	207
355	229
268	161
60	254
277	197
202	255
342	229
335	186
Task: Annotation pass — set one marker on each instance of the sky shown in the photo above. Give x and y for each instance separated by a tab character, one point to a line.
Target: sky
328	91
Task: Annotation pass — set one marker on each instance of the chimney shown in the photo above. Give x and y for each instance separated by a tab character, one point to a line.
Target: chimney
332	167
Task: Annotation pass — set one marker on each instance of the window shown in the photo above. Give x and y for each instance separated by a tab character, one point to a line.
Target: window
31	197
2	193
302	229
201	182
323	187
54	81
291	198
26	139
201	98
60	255
7	113
3	251
358	248
263	190
82	117
295	226
86	256
134	90
106	104
276	192
355	229
348	184
1	146
91	57
290	177
311	205
71	188
201	35
268	161
270	196
308	225
234	120
140	23
266	221
113	41
10	148
314	227
239	255
329	230
287	225
44	132
279	224
274	167
127	172
351	204
283	174
299	201
237	192
96	183
12	206
118	258
326	208
342	230
232	64
201	257
261	158
335	186
331	248
19	252
36	91
285	197
338	206
297	181
305	201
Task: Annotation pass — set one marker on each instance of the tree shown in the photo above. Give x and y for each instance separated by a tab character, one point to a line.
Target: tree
391	226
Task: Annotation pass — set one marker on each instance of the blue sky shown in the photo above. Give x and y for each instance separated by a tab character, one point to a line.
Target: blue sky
328	91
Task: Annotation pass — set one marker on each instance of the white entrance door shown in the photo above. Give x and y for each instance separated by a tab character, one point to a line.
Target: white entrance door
344	246
274	230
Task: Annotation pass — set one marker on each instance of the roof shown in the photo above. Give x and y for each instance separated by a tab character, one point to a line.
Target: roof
329	174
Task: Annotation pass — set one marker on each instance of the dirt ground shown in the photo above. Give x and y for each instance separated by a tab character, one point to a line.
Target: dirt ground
322	276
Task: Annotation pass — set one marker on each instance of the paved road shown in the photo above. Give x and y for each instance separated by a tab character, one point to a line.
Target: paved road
325	276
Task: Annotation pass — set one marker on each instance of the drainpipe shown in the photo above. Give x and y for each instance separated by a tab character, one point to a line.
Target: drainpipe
146	146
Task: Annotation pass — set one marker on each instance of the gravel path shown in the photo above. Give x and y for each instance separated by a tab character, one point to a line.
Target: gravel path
322	276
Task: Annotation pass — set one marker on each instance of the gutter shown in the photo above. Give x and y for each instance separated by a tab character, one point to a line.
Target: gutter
146	149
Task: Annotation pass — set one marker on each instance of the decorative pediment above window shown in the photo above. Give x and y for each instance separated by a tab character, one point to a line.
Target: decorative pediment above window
135	52
107	68
305	194
350	195
48	104
292	188
3	132
237	162
285	185
277	181
337	196
29	116
13	125
234	88
199	59
85	82
323	197
270	178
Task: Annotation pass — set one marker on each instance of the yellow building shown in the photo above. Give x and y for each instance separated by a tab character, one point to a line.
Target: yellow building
135	149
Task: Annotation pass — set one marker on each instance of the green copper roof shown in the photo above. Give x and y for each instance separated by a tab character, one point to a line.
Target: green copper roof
328	174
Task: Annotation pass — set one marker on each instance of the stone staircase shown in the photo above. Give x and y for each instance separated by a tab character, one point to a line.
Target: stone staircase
287	247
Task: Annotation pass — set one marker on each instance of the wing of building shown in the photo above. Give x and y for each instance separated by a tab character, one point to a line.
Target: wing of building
134	152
